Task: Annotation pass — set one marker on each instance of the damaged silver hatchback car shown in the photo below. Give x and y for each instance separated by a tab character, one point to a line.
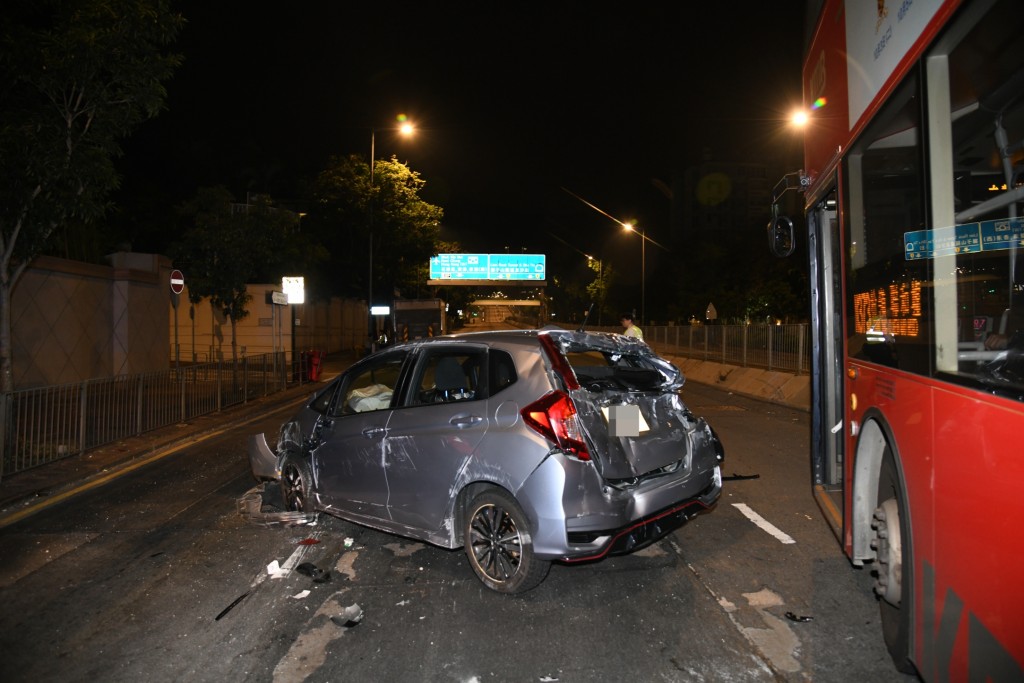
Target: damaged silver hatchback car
523	447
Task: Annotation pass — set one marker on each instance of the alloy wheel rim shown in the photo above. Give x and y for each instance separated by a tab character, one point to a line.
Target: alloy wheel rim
293	490
497	545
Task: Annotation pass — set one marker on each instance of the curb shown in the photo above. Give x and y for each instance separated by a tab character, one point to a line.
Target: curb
56	482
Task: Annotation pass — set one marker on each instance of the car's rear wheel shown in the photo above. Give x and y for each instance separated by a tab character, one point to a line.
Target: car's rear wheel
296	483
893	553
499	544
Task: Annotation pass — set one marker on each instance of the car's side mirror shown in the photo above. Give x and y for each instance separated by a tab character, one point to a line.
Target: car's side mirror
781	236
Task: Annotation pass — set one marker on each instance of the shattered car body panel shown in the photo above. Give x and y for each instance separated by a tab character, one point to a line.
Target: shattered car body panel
523	447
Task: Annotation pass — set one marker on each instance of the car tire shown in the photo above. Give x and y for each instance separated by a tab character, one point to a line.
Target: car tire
296	483
499	545
892	586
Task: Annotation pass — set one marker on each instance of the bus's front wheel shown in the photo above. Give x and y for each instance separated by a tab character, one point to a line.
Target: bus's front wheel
893	559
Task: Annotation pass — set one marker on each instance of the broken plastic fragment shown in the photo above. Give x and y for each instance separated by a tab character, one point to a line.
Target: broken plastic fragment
309	541
793	617
738	477
301	594
318	575
349	617
348	542
250	506
231	606
274	568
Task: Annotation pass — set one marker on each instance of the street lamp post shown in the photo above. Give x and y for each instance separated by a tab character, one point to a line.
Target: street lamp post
406	129
643	270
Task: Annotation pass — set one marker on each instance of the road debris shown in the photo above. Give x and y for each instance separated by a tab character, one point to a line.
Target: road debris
232	605
316	573
255	507
739	477
349	617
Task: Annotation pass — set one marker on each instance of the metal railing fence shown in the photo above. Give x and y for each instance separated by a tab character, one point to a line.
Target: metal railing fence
45	424
784	348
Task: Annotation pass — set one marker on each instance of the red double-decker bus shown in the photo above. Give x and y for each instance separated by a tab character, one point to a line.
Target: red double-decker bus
913	187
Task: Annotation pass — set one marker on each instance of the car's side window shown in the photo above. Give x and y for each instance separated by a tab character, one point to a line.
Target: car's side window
502	371
321	403
370	388
446	376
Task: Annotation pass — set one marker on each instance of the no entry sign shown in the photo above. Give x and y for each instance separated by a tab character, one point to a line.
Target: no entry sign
177	281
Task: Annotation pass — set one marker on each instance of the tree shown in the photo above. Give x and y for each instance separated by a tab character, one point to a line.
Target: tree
226	246
598	287
75	78
347	212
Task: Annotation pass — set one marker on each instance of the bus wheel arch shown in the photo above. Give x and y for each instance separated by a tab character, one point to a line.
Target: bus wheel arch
872	445
881	528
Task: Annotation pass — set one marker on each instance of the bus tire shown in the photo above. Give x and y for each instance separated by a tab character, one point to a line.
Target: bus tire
893	565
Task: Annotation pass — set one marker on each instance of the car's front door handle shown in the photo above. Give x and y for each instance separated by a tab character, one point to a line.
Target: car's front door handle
374	432
463	421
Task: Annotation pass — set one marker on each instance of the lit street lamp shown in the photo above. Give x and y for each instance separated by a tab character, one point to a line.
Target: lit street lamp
405	128
643	252
629	227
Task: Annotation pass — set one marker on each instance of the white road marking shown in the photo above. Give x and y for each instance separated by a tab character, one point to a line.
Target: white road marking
763	524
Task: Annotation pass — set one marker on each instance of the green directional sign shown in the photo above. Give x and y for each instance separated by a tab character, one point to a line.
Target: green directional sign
521	268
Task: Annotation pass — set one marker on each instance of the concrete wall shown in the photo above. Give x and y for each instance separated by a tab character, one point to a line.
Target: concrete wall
72	321
784	388
331	326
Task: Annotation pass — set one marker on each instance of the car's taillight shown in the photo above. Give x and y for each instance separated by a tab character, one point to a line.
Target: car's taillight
554	417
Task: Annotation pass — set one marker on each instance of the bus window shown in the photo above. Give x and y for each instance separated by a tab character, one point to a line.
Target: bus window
986	108
883	200
935	275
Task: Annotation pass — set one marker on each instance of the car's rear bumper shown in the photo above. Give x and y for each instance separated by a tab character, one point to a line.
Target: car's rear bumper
637	534
587	520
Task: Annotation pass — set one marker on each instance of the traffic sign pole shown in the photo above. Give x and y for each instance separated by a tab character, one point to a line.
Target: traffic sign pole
177	287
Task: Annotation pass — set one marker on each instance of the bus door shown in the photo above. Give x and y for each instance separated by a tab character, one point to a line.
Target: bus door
827	335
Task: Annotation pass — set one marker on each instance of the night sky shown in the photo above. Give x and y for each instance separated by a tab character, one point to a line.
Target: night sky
512	103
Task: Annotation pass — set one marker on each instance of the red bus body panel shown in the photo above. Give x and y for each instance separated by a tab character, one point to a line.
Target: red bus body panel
961	451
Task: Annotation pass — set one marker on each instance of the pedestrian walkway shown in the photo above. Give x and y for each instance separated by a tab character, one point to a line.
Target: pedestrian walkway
26	492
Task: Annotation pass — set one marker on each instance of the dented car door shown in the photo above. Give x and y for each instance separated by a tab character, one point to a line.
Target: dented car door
348	459
433	435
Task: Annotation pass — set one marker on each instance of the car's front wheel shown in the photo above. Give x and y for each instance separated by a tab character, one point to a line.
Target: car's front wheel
499	545
296	483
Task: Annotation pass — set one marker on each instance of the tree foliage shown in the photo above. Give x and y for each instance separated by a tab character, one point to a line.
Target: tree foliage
349	211
227	246
598	288
75	78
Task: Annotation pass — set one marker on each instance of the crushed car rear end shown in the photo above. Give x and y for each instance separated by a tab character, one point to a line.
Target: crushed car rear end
632	462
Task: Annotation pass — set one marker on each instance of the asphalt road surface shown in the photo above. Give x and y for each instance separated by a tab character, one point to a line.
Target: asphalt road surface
157	576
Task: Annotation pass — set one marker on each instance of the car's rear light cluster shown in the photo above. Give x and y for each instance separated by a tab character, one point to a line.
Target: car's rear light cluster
554	417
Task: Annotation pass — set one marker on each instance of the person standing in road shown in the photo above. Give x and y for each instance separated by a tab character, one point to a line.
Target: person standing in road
631	329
